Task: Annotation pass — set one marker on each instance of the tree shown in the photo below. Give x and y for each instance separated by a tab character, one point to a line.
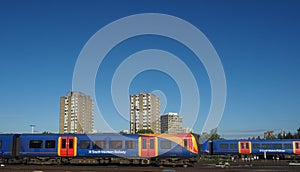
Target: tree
297	135
289	135
215	137
145	131
280	136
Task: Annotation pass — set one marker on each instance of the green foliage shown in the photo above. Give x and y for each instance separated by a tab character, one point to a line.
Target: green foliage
289	135
215	136
145	131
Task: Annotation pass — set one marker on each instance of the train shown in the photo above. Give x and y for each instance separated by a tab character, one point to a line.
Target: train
143	149
283	148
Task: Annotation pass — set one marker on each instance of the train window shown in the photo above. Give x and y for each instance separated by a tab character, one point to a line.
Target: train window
115	144
144	144
287	146
84	144
99	144
247	145
266	146
130	144
165	144
277	146
256	146
223	146
0	143
35	144
185	142
50	144
71	143
242	145
151	143
233	146
63	143
297	145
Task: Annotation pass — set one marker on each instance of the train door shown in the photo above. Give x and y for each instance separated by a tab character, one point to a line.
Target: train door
67	146
148	146
296	147
245	147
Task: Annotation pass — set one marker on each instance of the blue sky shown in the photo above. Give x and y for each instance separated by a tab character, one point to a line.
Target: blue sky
257	42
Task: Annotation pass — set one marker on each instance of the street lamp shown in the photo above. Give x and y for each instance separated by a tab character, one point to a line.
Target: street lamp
32	128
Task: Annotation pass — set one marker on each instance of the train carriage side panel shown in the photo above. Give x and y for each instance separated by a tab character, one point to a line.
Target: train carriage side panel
107	145
38	145
275	146
181	145
225	147
6	145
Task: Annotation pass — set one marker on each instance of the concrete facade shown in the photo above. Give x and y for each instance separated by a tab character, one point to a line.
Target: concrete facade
76	113
171	123
144	112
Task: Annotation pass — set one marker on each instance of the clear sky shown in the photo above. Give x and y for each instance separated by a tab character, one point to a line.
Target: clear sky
257	43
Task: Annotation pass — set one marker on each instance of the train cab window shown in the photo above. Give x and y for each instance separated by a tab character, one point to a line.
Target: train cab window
242	145
151	143
256	146
144	144
266	146
130	144
223	146
297	145
0	143
99	144
277	146
84	144
165	144
233	146
115	144
50	144
35	144
288	146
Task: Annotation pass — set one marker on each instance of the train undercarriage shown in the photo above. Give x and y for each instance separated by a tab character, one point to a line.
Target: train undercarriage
170	161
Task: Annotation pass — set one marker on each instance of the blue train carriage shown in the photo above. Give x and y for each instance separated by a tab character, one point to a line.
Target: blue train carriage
102	149
39	148
252	147
8	147
169	149
132	149
276	147
228	147
224	147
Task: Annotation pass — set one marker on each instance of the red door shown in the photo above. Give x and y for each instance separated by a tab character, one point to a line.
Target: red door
67	146
296	147
148	146
245	147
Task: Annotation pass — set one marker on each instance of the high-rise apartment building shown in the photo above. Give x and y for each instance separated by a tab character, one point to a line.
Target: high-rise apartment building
76	113
144	112
171	123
